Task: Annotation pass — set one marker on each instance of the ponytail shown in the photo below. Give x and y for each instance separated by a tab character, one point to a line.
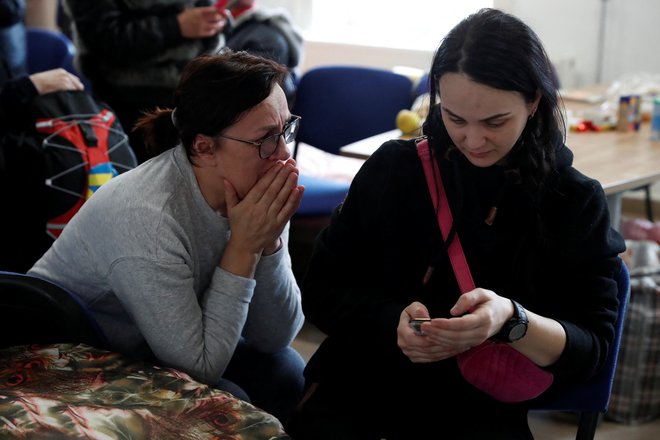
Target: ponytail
158	130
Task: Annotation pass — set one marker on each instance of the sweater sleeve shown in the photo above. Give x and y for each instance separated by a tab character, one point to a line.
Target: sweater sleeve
275	314
196	336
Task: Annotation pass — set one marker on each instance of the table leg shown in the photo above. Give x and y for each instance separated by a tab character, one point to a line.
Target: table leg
614	204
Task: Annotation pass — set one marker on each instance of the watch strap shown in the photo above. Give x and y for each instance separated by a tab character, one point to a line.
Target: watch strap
519	318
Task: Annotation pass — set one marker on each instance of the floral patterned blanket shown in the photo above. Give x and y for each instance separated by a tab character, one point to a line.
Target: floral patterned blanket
65	391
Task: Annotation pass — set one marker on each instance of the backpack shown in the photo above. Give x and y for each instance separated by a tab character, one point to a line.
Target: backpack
72	146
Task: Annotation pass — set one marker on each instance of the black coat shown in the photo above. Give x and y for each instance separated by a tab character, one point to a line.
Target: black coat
556	256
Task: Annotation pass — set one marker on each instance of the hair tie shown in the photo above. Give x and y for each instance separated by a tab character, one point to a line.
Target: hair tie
173	116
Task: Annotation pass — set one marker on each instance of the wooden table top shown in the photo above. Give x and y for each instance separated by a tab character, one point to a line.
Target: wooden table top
620	161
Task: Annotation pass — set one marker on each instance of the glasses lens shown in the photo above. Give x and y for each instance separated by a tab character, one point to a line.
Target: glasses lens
268	146
291	130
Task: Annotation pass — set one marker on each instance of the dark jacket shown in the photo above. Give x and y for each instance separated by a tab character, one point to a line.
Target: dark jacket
556	256
270	33
15	94
11	12
13	43
133	43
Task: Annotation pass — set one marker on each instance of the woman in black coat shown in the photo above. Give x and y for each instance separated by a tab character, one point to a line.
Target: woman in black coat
535	232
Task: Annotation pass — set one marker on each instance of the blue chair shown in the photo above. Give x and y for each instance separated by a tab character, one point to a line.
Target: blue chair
340	105
36	311
343	104
47	49
320	195
422	86
590	398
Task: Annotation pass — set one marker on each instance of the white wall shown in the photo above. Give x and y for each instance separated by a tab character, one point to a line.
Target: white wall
569	29
321	53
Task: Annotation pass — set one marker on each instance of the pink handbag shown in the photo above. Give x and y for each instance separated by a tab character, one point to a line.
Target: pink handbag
493	367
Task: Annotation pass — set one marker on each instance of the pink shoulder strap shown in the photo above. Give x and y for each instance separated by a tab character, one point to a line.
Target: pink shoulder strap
456	254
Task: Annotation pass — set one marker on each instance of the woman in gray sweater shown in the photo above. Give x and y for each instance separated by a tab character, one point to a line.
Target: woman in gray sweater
184	259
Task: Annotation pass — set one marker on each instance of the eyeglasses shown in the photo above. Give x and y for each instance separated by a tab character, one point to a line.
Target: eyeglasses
268	145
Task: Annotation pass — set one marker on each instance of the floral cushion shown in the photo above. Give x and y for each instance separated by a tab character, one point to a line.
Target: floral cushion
77	391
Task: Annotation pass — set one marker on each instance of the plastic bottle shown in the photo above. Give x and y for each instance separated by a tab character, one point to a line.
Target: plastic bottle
655	120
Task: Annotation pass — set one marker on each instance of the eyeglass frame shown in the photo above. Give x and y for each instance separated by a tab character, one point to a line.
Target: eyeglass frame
295	119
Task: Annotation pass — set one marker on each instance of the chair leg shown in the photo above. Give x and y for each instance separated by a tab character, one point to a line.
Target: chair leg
587	426
649	203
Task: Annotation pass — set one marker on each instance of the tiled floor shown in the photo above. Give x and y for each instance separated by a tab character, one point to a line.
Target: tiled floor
545	426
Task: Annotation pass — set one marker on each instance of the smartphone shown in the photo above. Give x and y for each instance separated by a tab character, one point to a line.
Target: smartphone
221	5
416	324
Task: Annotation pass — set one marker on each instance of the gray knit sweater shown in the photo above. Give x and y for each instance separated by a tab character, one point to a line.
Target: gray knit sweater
143	254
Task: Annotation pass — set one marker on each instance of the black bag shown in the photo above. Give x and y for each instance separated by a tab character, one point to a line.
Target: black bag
51	167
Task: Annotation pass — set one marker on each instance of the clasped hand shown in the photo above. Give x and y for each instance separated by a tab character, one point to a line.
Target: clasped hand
476	316
257	221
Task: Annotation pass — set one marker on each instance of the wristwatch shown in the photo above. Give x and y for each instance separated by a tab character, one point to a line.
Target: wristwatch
516	327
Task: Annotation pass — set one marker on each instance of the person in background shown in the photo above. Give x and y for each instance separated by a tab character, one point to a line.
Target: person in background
18	191
42	14
269	33
17	91
184	259
133	52
13	44
535	232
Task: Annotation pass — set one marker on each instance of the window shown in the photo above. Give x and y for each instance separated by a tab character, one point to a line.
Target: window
407	24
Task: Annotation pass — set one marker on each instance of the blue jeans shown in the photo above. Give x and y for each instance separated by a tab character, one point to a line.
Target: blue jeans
270	381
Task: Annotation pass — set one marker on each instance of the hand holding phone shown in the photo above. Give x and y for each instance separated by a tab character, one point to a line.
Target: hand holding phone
416	325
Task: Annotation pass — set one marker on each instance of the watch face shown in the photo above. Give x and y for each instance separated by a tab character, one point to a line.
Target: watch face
517	331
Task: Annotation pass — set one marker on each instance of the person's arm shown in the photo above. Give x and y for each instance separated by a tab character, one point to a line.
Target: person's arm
124	37
275	315
582	294
106	29
11	12
197	336
16	93
568	291
571	322
55	80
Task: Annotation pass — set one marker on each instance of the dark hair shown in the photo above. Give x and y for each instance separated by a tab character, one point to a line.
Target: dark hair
499	50
214	91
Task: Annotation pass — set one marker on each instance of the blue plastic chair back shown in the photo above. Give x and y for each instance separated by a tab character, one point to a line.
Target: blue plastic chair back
591	398
321	196
47	49
422	86
343	104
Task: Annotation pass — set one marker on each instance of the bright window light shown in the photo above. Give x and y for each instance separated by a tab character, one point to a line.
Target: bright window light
408	24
